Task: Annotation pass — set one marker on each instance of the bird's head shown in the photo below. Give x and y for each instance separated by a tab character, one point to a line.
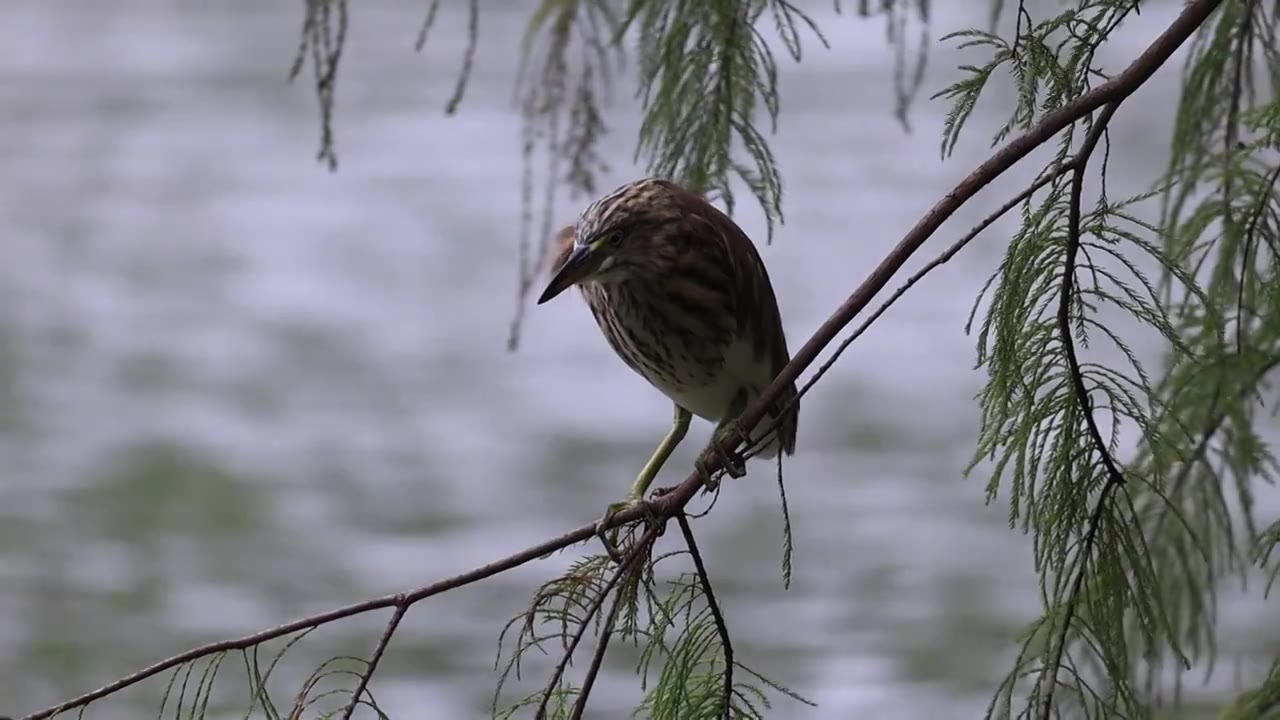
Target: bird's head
615	236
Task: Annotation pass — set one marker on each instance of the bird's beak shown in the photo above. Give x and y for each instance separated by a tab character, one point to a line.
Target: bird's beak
580	263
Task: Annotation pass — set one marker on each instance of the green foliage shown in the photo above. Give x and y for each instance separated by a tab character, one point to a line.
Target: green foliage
1136	478
1260	703
691	681
704	71
1130	552
681	648
1051	63
198	705
571	55
566	604
1220	222
1130	561
706	76
190	687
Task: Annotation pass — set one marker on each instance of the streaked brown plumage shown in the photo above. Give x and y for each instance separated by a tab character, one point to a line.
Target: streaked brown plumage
683	297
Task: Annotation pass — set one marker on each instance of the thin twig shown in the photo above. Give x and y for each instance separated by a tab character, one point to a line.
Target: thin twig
932	265
623	568
468	57
1119	87
312	621
721	627
1122	85
1078	167
372	666
1212	424
787	547
425	28
1250	237
597	658
326	55
1229	140
1114	478
1017	29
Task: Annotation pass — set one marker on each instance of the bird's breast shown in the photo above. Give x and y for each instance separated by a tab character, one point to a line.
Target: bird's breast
678	351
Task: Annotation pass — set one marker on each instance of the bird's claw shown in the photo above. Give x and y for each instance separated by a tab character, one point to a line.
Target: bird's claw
709	481
734	466
609	536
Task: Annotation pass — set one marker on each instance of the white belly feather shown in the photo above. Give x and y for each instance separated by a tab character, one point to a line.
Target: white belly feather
694	386
712	400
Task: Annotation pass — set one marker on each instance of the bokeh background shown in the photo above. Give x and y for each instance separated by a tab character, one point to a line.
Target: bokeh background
236	388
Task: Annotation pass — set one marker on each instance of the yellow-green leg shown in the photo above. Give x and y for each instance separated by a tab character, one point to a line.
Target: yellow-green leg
679	426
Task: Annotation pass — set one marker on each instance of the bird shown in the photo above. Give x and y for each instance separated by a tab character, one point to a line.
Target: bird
682	296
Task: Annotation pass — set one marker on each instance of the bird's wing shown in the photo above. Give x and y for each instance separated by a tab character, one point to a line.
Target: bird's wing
759	323
754	303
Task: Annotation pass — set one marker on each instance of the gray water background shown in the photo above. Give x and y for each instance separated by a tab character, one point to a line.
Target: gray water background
236	388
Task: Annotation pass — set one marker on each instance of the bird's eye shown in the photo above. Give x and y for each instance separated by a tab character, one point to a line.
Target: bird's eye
615	237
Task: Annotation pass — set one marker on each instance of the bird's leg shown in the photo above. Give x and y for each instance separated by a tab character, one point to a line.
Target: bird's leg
679	426
735	423
734	465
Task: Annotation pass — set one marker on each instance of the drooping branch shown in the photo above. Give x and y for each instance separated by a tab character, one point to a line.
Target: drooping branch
1074	241
324	37
641	549
671	503
625	566
721	627
1114	477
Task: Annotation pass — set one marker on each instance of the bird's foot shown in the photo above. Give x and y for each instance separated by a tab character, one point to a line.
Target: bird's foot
734	465
709	481
661	492
609	536
747	444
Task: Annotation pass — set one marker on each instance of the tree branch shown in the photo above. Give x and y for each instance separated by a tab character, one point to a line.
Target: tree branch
942	259
1230	138
1121	86
721	627
624	567
1078	167
1114	478
508	563
597	659
669	504
374	659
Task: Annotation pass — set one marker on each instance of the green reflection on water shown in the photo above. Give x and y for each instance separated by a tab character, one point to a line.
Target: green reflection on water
159	487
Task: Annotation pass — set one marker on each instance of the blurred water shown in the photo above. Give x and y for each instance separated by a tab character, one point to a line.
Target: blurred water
236	388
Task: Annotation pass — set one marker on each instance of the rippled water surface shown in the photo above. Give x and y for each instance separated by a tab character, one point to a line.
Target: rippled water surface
236	388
